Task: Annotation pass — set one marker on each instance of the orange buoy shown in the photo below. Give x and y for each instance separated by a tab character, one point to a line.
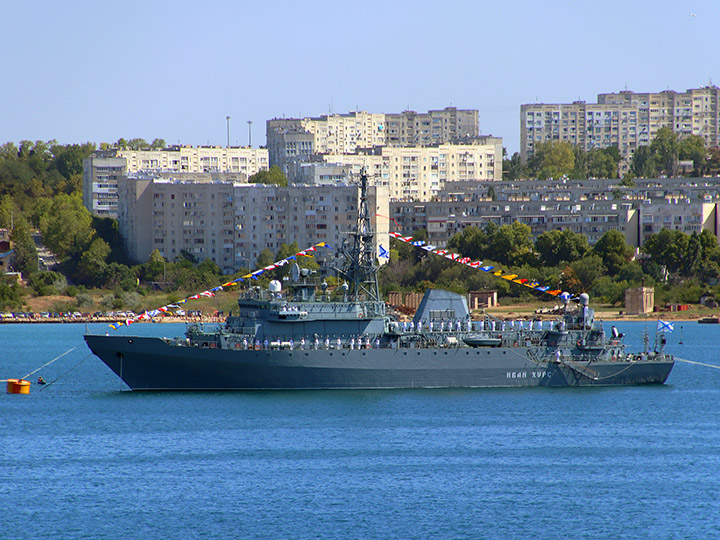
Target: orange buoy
18	386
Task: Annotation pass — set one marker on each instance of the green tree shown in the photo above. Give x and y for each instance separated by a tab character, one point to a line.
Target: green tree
470	242
712	163
120	276
667	248
93	263
665	147
553	159
556	247
265	258
644	163
272	176
155	268
613	251
581	159
586	270
8	210
67	229
632	273
26	257
11	296
137	144
68	160
514	168
513	244
108	229
209	273
605	289
47	283
603	162
186	256
9	151
693	148
628	180
693	257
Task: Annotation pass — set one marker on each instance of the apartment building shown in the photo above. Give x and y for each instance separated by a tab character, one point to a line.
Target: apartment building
102	170
415	173
624	119
591	208
410	128
232	222
290	139
268	216
694	112
175	213
581	124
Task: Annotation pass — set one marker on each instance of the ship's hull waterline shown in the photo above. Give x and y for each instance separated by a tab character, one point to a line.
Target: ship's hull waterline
155	364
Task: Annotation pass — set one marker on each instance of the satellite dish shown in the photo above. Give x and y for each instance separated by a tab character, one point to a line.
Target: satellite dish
295	272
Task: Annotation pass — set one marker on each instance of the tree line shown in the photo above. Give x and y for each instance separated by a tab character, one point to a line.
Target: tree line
679	266
663	156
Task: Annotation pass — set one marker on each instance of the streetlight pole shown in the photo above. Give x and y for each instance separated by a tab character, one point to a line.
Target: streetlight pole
249	133
227	118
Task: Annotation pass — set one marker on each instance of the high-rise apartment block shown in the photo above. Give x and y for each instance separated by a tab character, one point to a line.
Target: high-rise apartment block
410	128
232	222
624	119
293	138
102	170
418	173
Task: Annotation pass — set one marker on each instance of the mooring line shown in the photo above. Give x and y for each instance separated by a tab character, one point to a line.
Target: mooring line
68	371
698	363
50	362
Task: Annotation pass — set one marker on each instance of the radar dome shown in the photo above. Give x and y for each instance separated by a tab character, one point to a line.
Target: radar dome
584	299
275	286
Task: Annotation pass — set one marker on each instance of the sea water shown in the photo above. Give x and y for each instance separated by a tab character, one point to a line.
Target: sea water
84	457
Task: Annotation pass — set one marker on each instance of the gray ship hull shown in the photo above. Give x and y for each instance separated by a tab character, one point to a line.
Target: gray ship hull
157	364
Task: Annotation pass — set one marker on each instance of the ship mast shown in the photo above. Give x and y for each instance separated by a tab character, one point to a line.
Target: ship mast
359	268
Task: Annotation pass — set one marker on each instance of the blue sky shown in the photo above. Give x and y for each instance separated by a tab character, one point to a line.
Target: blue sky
83	71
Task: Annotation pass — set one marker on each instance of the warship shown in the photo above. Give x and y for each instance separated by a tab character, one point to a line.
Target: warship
309	337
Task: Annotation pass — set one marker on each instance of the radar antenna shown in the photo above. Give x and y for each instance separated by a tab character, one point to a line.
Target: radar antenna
359	268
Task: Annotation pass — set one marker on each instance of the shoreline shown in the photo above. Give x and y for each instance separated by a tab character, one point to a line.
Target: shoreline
107	320
507	314
608	314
